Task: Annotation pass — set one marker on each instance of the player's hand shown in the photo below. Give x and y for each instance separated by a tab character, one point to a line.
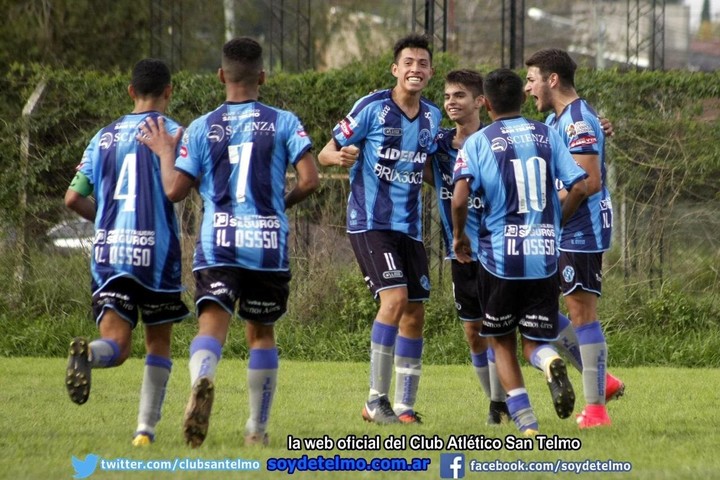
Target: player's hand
348	156
157	138
461	247
607	127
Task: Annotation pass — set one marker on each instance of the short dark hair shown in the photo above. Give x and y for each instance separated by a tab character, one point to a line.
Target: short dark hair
149	77
504	90
554	60
470	79
242	60
414	40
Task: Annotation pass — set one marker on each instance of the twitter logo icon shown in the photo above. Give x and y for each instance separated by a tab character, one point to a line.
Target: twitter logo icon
84	468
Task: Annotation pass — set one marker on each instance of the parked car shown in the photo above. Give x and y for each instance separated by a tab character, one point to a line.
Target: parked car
74	234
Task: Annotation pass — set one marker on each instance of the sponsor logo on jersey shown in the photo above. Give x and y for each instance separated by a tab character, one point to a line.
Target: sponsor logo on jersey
216	133
579	128
183	151
582	142
498	144
461	163
383	114
346	127
390	153
106	140
429	116
392	274
605	204
300	131
392	132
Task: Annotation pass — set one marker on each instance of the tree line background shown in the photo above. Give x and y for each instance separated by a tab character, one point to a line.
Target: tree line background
660	302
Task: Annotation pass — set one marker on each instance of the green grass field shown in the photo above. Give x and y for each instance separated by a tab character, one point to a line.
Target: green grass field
666	425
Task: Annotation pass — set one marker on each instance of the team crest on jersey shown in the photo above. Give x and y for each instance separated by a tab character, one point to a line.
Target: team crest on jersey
216	133
568	274
498	144
424	137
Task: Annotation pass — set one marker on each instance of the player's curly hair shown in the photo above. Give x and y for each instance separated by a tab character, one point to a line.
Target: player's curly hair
242	60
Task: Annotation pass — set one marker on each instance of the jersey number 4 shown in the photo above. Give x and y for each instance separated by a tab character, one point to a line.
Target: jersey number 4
126	187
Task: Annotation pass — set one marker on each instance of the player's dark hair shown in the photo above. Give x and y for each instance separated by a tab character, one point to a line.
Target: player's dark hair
554	60
469	79
149	77
414	40
504	90
242	60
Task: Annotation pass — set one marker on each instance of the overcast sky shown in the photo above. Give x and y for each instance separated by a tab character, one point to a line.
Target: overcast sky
696	10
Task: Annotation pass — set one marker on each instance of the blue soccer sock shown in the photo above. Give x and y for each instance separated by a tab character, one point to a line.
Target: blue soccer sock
593	349
104	353
408	366
480	363
542	356
567	342
262	383
382	345
497	392
521	411
205	353
152	392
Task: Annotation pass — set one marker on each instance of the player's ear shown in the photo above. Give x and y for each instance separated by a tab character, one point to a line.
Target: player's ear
168	91
261	77
394	69
221	75
131	92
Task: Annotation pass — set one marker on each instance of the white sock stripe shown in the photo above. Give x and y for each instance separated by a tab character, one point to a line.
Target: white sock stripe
408	371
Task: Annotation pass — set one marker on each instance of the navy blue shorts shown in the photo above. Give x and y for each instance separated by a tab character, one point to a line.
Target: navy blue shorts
261	296
466	290
580	270
390	259
531	306
130	300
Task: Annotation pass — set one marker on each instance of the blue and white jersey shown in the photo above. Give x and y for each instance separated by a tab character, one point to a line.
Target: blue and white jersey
136	230
514	162
241	152
443	167
590	229
386	180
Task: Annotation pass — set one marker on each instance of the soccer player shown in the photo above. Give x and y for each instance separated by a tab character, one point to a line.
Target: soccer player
463	101
384	142
514	163
239	152
135	265
551	82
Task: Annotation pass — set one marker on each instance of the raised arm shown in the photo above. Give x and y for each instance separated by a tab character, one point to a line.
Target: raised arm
177	186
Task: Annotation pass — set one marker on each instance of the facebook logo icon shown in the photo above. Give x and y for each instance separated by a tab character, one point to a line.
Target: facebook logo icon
452	465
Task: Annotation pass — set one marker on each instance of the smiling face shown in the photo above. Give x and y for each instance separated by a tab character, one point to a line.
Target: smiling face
539	89
459	104
413	69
